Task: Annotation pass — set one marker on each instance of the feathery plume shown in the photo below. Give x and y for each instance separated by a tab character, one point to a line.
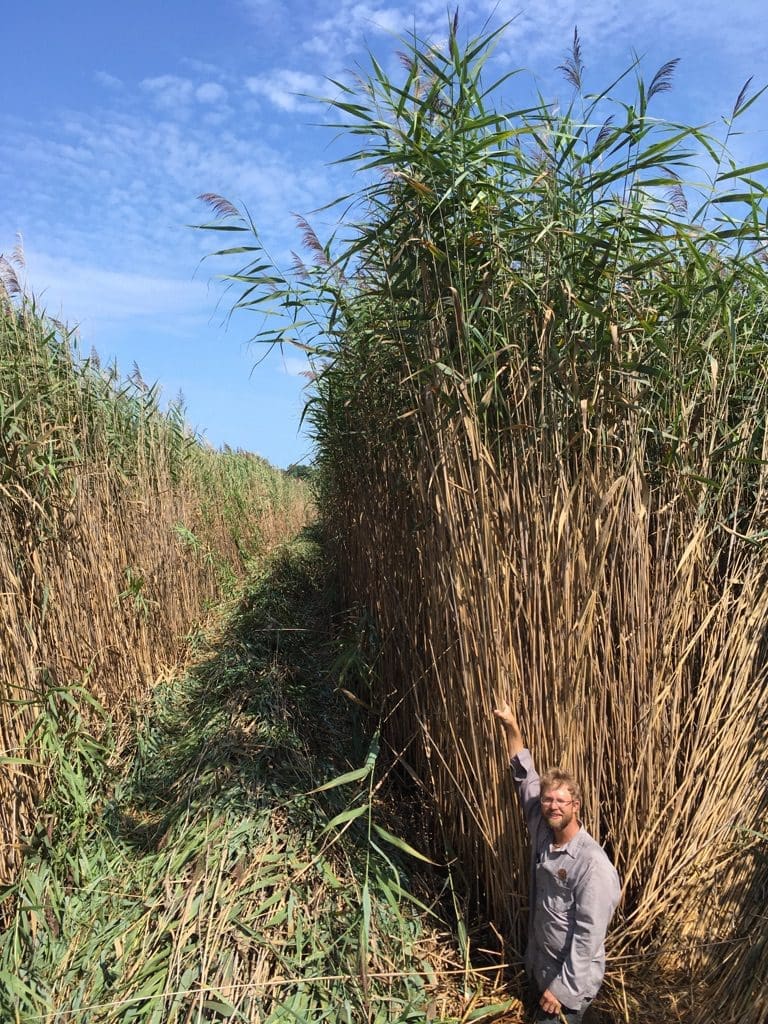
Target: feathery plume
220	206
605	131
573	66
741	98
311	241
17	256
662	80
8	279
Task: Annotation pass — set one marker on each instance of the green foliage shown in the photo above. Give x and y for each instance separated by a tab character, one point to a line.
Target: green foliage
617	257
300	471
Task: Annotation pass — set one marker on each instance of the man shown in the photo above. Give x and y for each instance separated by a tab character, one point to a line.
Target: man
574	887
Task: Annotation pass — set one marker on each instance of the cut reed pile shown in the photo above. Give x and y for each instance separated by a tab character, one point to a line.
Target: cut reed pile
541	411
117	526
217	867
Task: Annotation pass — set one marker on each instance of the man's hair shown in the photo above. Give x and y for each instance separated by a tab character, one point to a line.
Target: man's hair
557	777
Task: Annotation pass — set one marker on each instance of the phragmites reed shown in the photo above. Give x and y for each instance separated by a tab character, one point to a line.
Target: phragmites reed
117	528
540	407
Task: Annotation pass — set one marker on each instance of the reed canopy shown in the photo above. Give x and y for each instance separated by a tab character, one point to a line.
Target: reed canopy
540	358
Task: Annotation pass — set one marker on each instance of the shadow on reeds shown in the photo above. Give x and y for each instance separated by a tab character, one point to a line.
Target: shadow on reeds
257	720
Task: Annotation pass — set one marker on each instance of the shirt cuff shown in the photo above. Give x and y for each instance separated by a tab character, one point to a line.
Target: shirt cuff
521	764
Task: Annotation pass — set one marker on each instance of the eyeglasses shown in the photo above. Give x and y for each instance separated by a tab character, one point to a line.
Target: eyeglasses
548	801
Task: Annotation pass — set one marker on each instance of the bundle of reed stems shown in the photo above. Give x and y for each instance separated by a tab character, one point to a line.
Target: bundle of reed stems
540	406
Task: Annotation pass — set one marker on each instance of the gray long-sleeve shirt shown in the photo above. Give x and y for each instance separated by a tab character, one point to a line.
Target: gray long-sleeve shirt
574	892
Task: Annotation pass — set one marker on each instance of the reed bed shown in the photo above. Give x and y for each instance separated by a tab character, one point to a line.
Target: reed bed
540	406
215	866
117	529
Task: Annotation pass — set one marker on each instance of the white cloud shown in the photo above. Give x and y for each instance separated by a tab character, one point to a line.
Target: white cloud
611	29
210	92
202	67
271	12
342	28
170	92
284	88
104	78
68	288
380	19
125	183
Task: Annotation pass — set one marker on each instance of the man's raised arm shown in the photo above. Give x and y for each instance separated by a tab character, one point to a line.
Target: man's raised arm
511	729
524	774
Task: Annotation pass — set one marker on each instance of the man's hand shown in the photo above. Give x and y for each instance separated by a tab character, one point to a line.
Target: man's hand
549	1003
514	737
506	716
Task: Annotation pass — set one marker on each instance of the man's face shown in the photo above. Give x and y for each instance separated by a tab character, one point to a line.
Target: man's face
558	807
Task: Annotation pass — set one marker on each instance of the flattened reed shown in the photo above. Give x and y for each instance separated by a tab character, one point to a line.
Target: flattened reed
195	873
117	527
541	413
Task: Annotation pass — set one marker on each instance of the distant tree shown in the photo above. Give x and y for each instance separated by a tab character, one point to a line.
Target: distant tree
300	471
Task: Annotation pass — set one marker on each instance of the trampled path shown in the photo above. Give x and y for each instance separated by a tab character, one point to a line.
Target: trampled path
189	873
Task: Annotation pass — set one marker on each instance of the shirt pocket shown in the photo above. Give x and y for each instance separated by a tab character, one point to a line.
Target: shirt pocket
559	899
558	904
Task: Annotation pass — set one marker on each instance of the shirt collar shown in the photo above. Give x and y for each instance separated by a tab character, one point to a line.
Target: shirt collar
572	845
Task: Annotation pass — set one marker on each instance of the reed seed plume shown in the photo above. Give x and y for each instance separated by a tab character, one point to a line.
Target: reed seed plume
9	280
311	241
675	194
220	206
299	268
407	61
741	98
662	80
605	131
573	65
17	256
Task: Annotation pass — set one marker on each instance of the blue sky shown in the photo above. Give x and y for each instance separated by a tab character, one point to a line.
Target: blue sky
117	116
